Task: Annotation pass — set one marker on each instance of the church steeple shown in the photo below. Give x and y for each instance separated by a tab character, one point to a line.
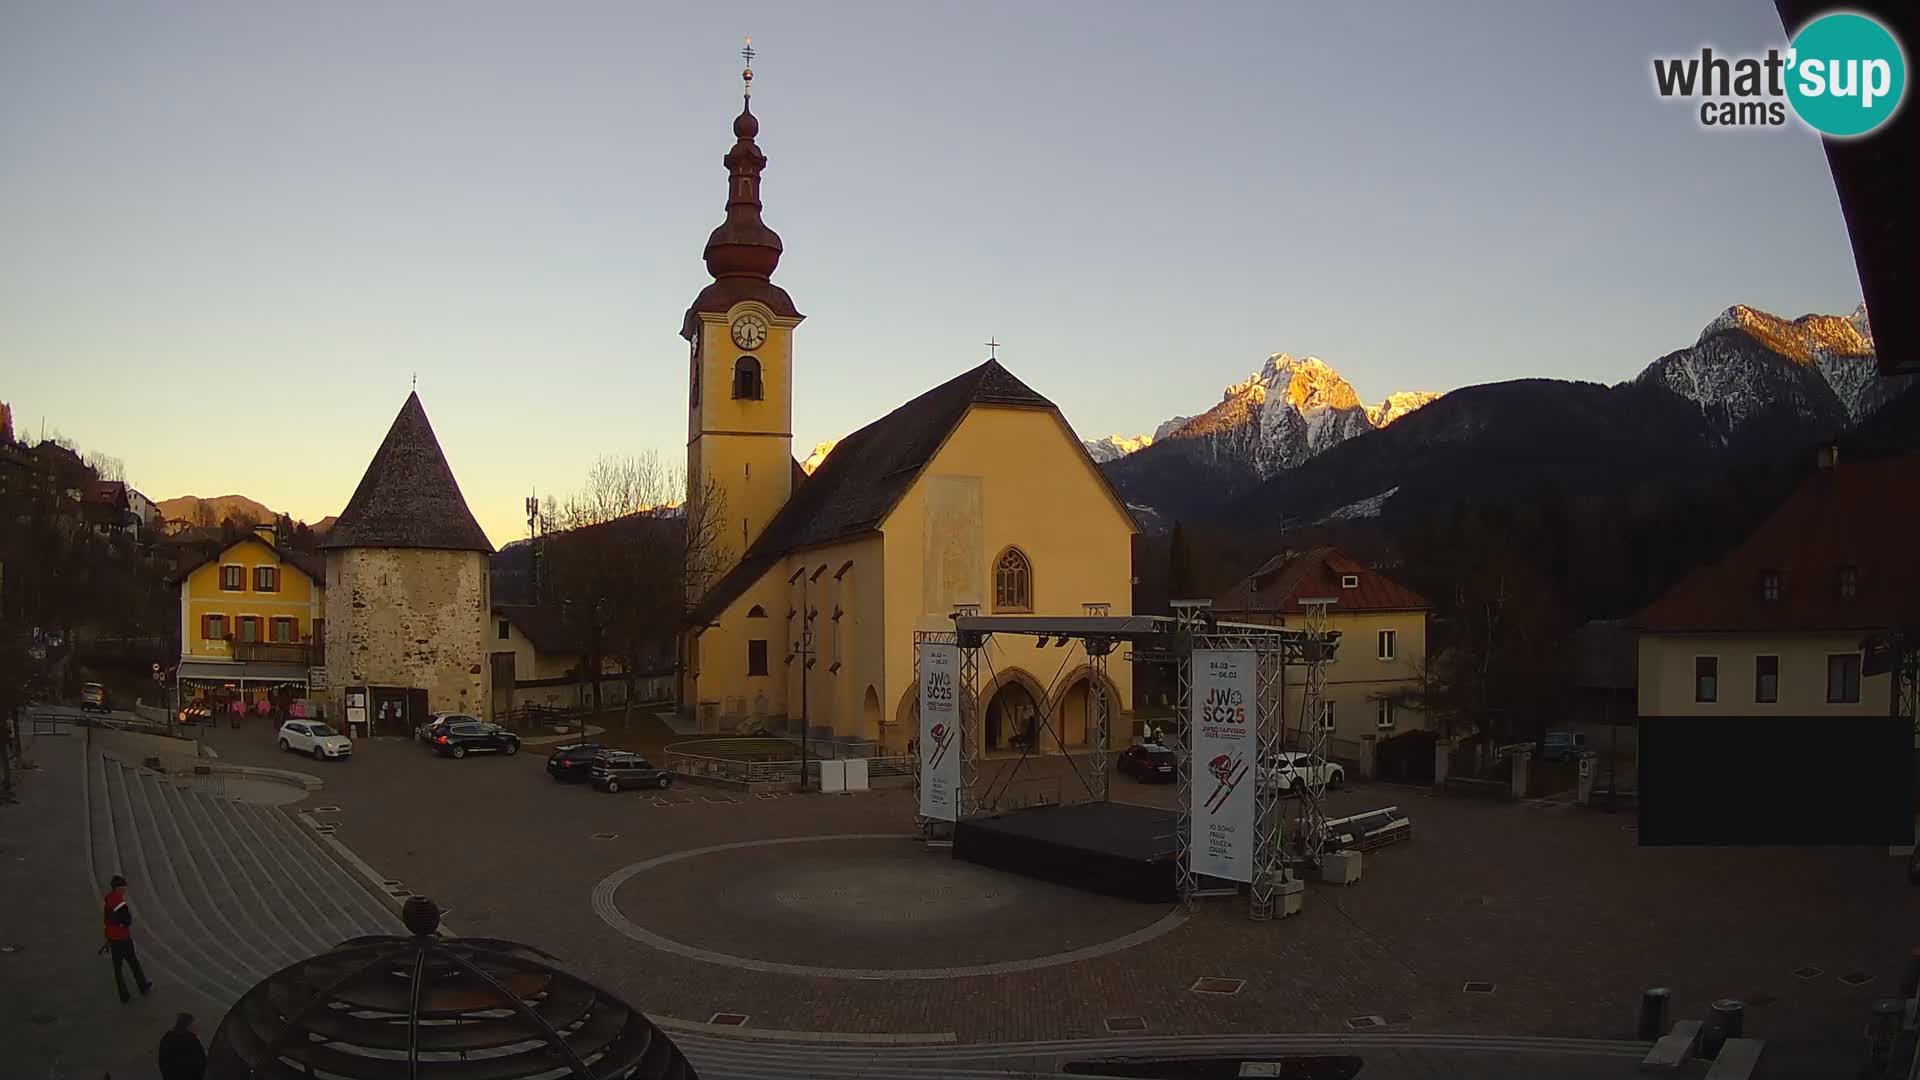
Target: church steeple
743	246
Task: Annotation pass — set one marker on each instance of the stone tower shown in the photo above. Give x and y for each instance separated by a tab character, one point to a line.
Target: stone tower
740	335
407	596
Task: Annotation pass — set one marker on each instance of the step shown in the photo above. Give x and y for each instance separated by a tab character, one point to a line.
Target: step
1672	1050
293	882
154	934
365	913
1736	1060
271	912
224	894
100	823
170	888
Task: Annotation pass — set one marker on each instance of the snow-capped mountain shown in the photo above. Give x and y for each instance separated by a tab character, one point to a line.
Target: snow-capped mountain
1285	413
1115	446
820	451
1815	372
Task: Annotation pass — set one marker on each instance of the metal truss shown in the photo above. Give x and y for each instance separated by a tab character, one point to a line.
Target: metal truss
1157	639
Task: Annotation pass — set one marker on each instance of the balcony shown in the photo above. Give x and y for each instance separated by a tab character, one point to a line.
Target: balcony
275	652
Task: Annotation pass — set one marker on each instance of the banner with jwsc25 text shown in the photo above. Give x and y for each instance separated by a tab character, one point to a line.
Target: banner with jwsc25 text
1223	749
940	731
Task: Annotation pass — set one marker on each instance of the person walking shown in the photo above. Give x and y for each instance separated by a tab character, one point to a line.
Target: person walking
181	1055
116	922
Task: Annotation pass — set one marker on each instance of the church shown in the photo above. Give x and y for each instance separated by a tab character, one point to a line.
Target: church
977	493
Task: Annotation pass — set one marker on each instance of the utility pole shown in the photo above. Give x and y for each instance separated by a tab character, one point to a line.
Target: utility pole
803	651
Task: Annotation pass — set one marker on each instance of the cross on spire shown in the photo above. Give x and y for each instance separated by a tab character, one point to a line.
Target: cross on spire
993	348
746	76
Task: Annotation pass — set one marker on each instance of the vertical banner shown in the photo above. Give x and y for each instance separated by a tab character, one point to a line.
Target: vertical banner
1223	747
940	731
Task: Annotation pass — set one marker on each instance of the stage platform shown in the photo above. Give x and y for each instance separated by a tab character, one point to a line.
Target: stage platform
1116	849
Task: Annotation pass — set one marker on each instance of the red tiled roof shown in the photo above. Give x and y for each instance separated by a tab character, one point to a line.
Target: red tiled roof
1865	516
1292	576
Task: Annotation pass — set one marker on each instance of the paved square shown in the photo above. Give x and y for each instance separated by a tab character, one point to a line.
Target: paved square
1556	907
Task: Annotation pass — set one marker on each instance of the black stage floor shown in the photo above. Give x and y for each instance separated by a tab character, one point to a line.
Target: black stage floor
1117	849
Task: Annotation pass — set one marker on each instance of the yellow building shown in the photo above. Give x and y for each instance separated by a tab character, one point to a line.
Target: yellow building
252	624
1776	627
977	492
1382	624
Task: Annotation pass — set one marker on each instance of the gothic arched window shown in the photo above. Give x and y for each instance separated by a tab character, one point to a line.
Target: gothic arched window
1012	581
756	612
746	379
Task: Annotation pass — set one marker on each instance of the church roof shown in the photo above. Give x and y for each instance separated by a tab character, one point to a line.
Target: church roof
408	497
859	484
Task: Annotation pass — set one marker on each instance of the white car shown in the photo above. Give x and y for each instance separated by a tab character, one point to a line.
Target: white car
315	738
1289	768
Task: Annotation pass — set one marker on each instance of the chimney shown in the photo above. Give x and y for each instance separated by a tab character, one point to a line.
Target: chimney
265	533
1828	456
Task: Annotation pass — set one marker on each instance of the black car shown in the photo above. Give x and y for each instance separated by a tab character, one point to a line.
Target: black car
572	761
617	769
473	737
1148	763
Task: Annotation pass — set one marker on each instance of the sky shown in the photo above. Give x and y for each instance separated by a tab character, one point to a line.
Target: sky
234	234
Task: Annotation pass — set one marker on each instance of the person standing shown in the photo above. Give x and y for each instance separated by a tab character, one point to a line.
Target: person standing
181	1055
117	923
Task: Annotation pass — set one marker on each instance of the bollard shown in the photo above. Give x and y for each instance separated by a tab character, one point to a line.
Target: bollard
1727	1021
1653	1015
1883	1031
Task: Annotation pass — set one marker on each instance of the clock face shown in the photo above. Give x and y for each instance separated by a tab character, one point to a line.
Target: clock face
749	331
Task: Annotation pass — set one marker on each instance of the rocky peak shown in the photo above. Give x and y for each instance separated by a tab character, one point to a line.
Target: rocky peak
1399	405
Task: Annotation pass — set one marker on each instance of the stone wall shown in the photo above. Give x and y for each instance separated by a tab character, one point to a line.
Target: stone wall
408	617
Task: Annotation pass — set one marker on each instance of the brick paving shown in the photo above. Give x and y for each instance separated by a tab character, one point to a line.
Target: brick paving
1555	906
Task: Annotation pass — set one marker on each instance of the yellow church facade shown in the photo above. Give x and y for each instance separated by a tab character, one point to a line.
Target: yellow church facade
976	493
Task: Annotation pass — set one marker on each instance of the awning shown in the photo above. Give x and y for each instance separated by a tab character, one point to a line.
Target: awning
215	671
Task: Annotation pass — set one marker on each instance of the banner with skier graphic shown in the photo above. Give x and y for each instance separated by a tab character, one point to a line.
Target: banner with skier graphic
1223	745
940	731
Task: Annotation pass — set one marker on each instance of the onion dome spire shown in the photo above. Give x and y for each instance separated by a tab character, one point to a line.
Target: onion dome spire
743	246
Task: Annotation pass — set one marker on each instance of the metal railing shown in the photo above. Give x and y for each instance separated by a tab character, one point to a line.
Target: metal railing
273	652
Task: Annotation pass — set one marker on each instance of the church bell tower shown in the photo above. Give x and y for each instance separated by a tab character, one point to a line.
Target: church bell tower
740	372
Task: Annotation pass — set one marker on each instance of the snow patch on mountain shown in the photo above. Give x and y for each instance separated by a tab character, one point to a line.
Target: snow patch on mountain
1115	446
820	451
1369	507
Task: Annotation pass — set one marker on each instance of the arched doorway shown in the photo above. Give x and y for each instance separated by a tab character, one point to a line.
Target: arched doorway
1070	715
1011	718
870	715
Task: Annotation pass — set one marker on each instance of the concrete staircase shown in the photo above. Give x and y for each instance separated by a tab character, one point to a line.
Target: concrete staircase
224	893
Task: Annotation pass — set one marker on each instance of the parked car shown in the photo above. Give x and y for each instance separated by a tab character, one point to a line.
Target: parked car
463	737
1563	746
437	724
1290	769
315	738
618	769
1148	763
574	760
93	697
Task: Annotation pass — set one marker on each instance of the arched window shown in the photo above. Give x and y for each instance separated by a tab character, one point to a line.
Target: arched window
746	379
756	612
1012	582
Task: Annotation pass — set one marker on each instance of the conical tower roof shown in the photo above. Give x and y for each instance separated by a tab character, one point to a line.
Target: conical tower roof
408	497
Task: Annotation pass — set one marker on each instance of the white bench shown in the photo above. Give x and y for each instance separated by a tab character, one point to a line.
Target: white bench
1736	1059
1673	1048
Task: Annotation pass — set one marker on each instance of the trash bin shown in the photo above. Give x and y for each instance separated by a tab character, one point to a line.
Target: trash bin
1727	1021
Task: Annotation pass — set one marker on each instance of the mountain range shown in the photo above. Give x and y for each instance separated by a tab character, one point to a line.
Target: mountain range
1294	446
196	510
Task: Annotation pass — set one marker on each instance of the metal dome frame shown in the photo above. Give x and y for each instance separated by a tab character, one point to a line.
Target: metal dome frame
392	1007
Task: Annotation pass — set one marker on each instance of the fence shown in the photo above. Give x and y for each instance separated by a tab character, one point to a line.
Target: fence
744	769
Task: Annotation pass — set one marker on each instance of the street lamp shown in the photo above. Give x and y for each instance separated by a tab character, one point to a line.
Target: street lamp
803	651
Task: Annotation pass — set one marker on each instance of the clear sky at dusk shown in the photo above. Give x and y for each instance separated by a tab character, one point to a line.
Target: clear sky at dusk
230	233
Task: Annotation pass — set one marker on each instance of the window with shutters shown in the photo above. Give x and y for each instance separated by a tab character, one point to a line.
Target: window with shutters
282	630
746	379
249	628
266	579
213	627
233	579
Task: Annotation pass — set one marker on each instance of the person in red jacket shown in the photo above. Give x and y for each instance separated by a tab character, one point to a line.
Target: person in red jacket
116	921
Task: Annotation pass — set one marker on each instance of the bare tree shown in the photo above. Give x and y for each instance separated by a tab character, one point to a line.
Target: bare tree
105	466
628	558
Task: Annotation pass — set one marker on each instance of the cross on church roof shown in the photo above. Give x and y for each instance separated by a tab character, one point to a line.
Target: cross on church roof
993	348
747	54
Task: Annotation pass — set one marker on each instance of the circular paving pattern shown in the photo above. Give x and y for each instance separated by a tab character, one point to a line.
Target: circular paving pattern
829	906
